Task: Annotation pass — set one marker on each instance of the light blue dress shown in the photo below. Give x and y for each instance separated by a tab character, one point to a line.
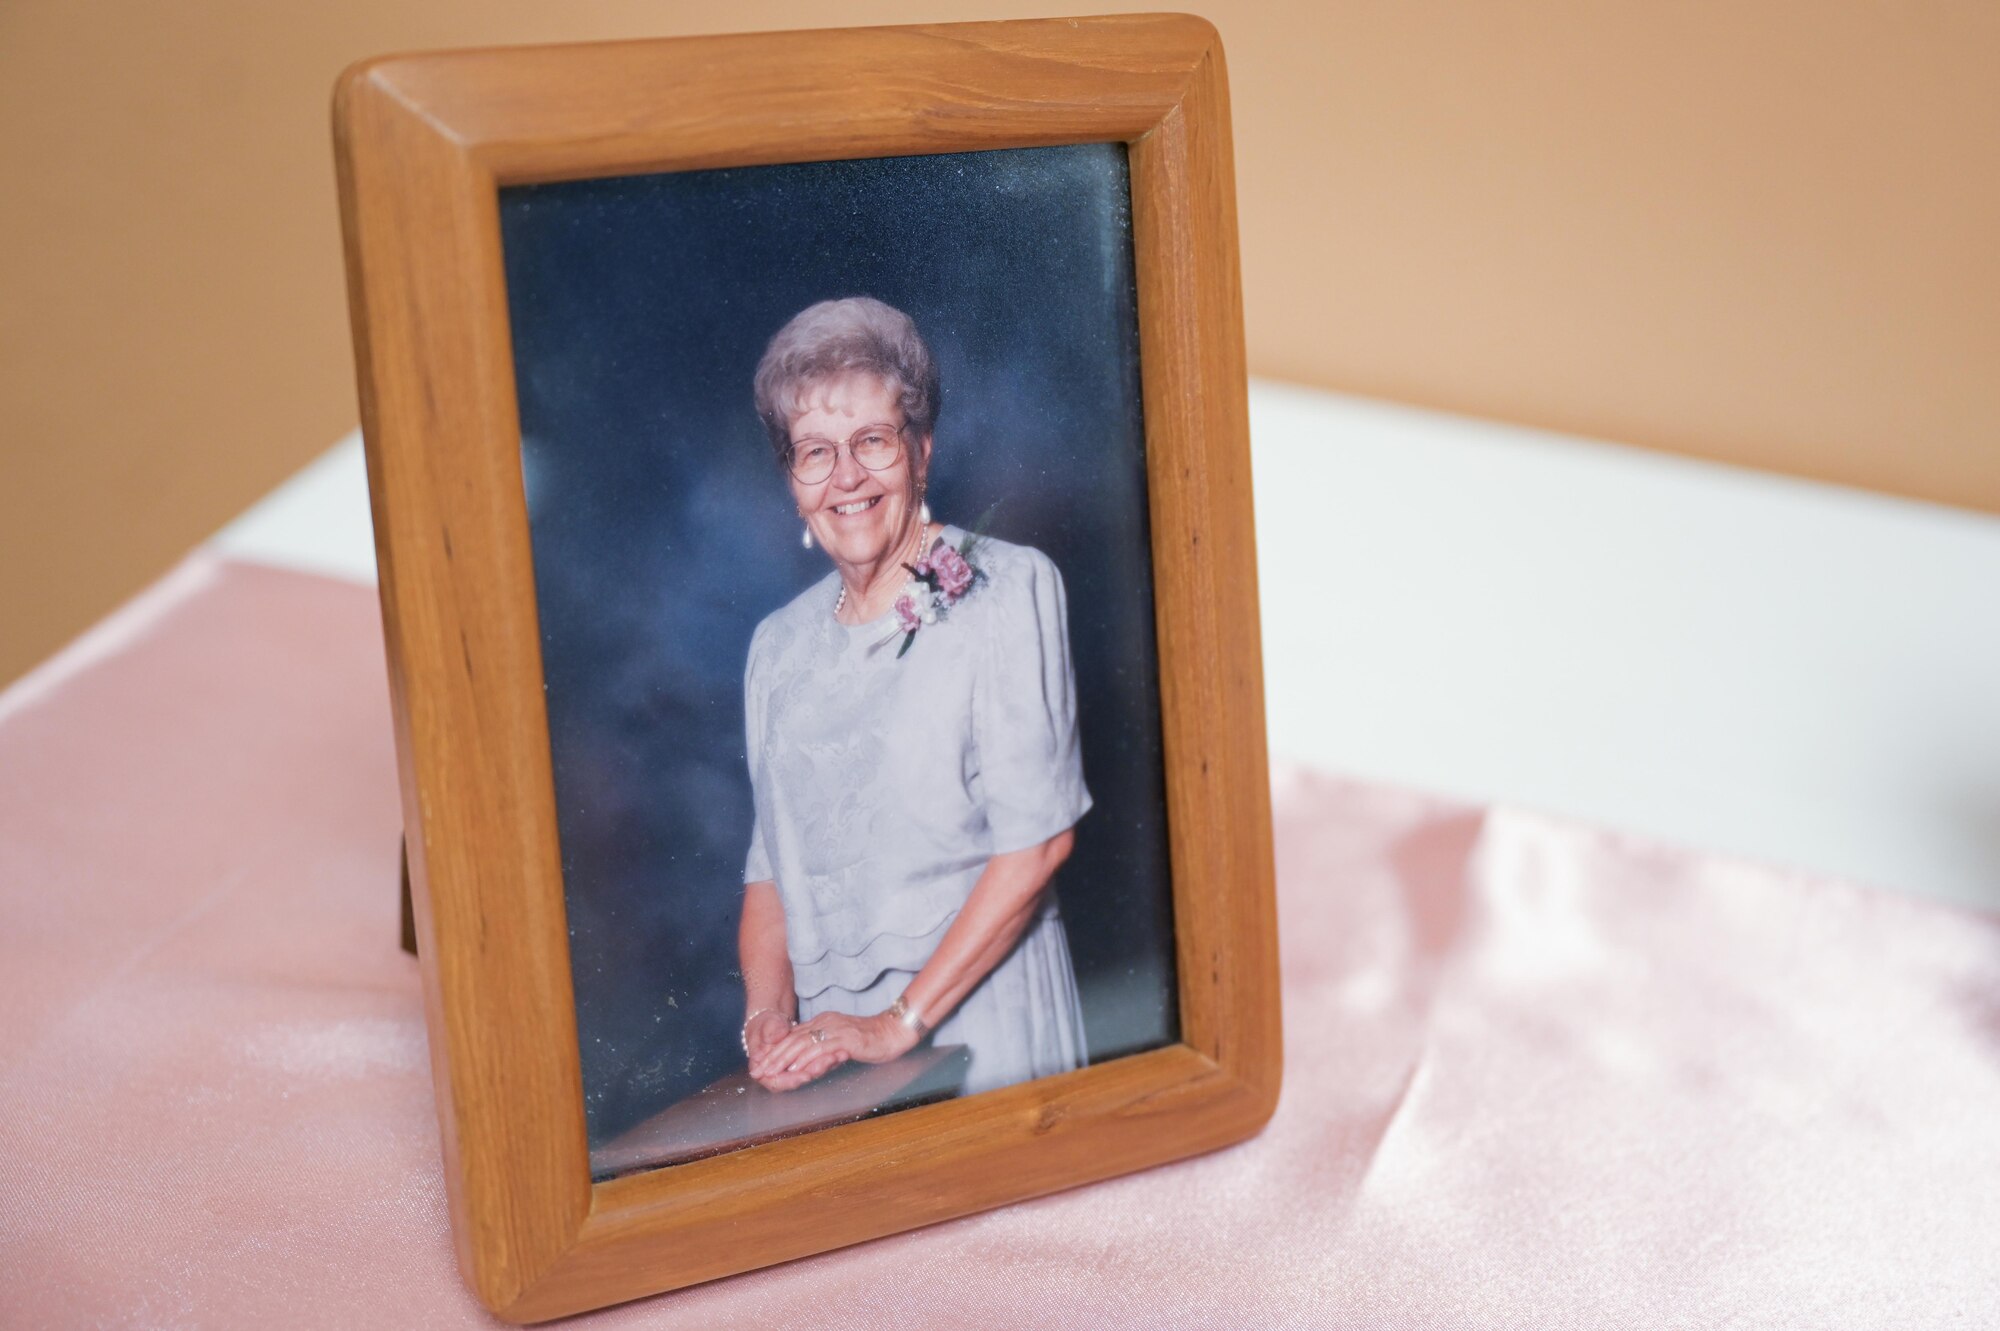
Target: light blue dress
883	785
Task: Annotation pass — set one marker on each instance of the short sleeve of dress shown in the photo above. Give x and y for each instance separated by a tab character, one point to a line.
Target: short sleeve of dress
1030	767
757	864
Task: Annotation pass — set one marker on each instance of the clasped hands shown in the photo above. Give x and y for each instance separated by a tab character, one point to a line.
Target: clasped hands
784	1057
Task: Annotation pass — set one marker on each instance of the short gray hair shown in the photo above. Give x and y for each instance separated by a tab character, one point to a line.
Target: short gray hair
836	337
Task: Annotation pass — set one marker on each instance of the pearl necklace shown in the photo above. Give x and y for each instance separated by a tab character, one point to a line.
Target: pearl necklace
923	528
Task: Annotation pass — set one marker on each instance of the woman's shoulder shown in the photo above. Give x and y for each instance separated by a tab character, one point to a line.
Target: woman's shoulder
1020	586
1008	562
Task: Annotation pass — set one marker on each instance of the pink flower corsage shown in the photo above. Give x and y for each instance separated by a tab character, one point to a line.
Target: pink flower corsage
938	581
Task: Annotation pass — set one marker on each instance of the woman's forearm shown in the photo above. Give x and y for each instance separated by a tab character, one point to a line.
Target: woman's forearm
1003	903
760	947
1001	906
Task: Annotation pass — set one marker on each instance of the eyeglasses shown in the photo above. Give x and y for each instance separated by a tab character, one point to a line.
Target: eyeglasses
875	447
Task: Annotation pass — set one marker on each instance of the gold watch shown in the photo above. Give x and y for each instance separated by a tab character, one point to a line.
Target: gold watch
900	1010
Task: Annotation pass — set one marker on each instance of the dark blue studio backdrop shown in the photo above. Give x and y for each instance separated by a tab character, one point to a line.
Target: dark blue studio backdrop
663	531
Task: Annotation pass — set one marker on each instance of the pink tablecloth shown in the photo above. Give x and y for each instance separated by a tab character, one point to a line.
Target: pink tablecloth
1537	1074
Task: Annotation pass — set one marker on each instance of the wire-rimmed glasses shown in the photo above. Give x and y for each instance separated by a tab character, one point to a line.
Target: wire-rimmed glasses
876	447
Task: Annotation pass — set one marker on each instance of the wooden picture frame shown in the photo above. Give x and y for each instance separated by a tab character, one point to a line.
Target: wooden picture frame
424	144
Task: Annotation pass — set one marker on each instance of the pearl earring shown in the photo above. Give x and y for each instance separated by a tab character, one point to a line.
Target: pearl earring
806	537
923	511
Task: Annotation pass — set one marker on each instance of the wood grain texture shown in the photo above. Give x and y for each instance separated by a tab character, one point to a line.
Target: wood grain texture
465	683
424	143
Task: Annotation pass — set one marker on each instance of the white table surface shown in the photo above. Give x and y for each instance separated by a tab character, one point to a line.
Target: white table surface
1772	668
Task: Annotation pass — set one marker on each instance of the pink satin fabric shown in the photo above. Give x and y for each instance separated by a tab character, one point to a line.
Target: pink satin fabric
1537	1074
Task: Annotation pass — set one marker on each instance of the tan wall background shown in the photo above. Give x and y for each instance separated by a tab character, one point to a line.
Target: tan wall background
1758	230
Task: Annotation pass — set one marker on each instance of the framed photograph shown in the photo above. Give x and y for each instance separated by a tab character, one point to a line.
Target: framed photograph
812	500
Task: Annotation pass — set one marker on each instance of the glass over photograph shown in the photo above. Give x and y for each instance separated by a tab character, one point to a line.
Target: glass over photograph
836	486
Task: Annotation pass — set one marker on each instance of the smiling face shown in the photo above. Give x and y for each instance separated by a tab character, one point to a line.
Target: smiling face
859	517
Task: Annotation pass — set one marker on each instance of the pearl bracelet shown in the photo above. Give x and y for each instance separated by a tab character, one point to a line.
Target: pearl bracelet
743	1036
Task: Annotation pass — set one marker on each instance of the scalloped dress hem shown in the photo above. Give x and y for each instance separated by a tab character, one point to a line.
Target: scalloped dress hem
1023	1021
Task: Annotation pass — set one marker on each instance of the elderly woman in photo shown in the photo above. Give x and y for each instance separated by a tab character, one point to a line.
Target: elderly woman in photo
911	726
